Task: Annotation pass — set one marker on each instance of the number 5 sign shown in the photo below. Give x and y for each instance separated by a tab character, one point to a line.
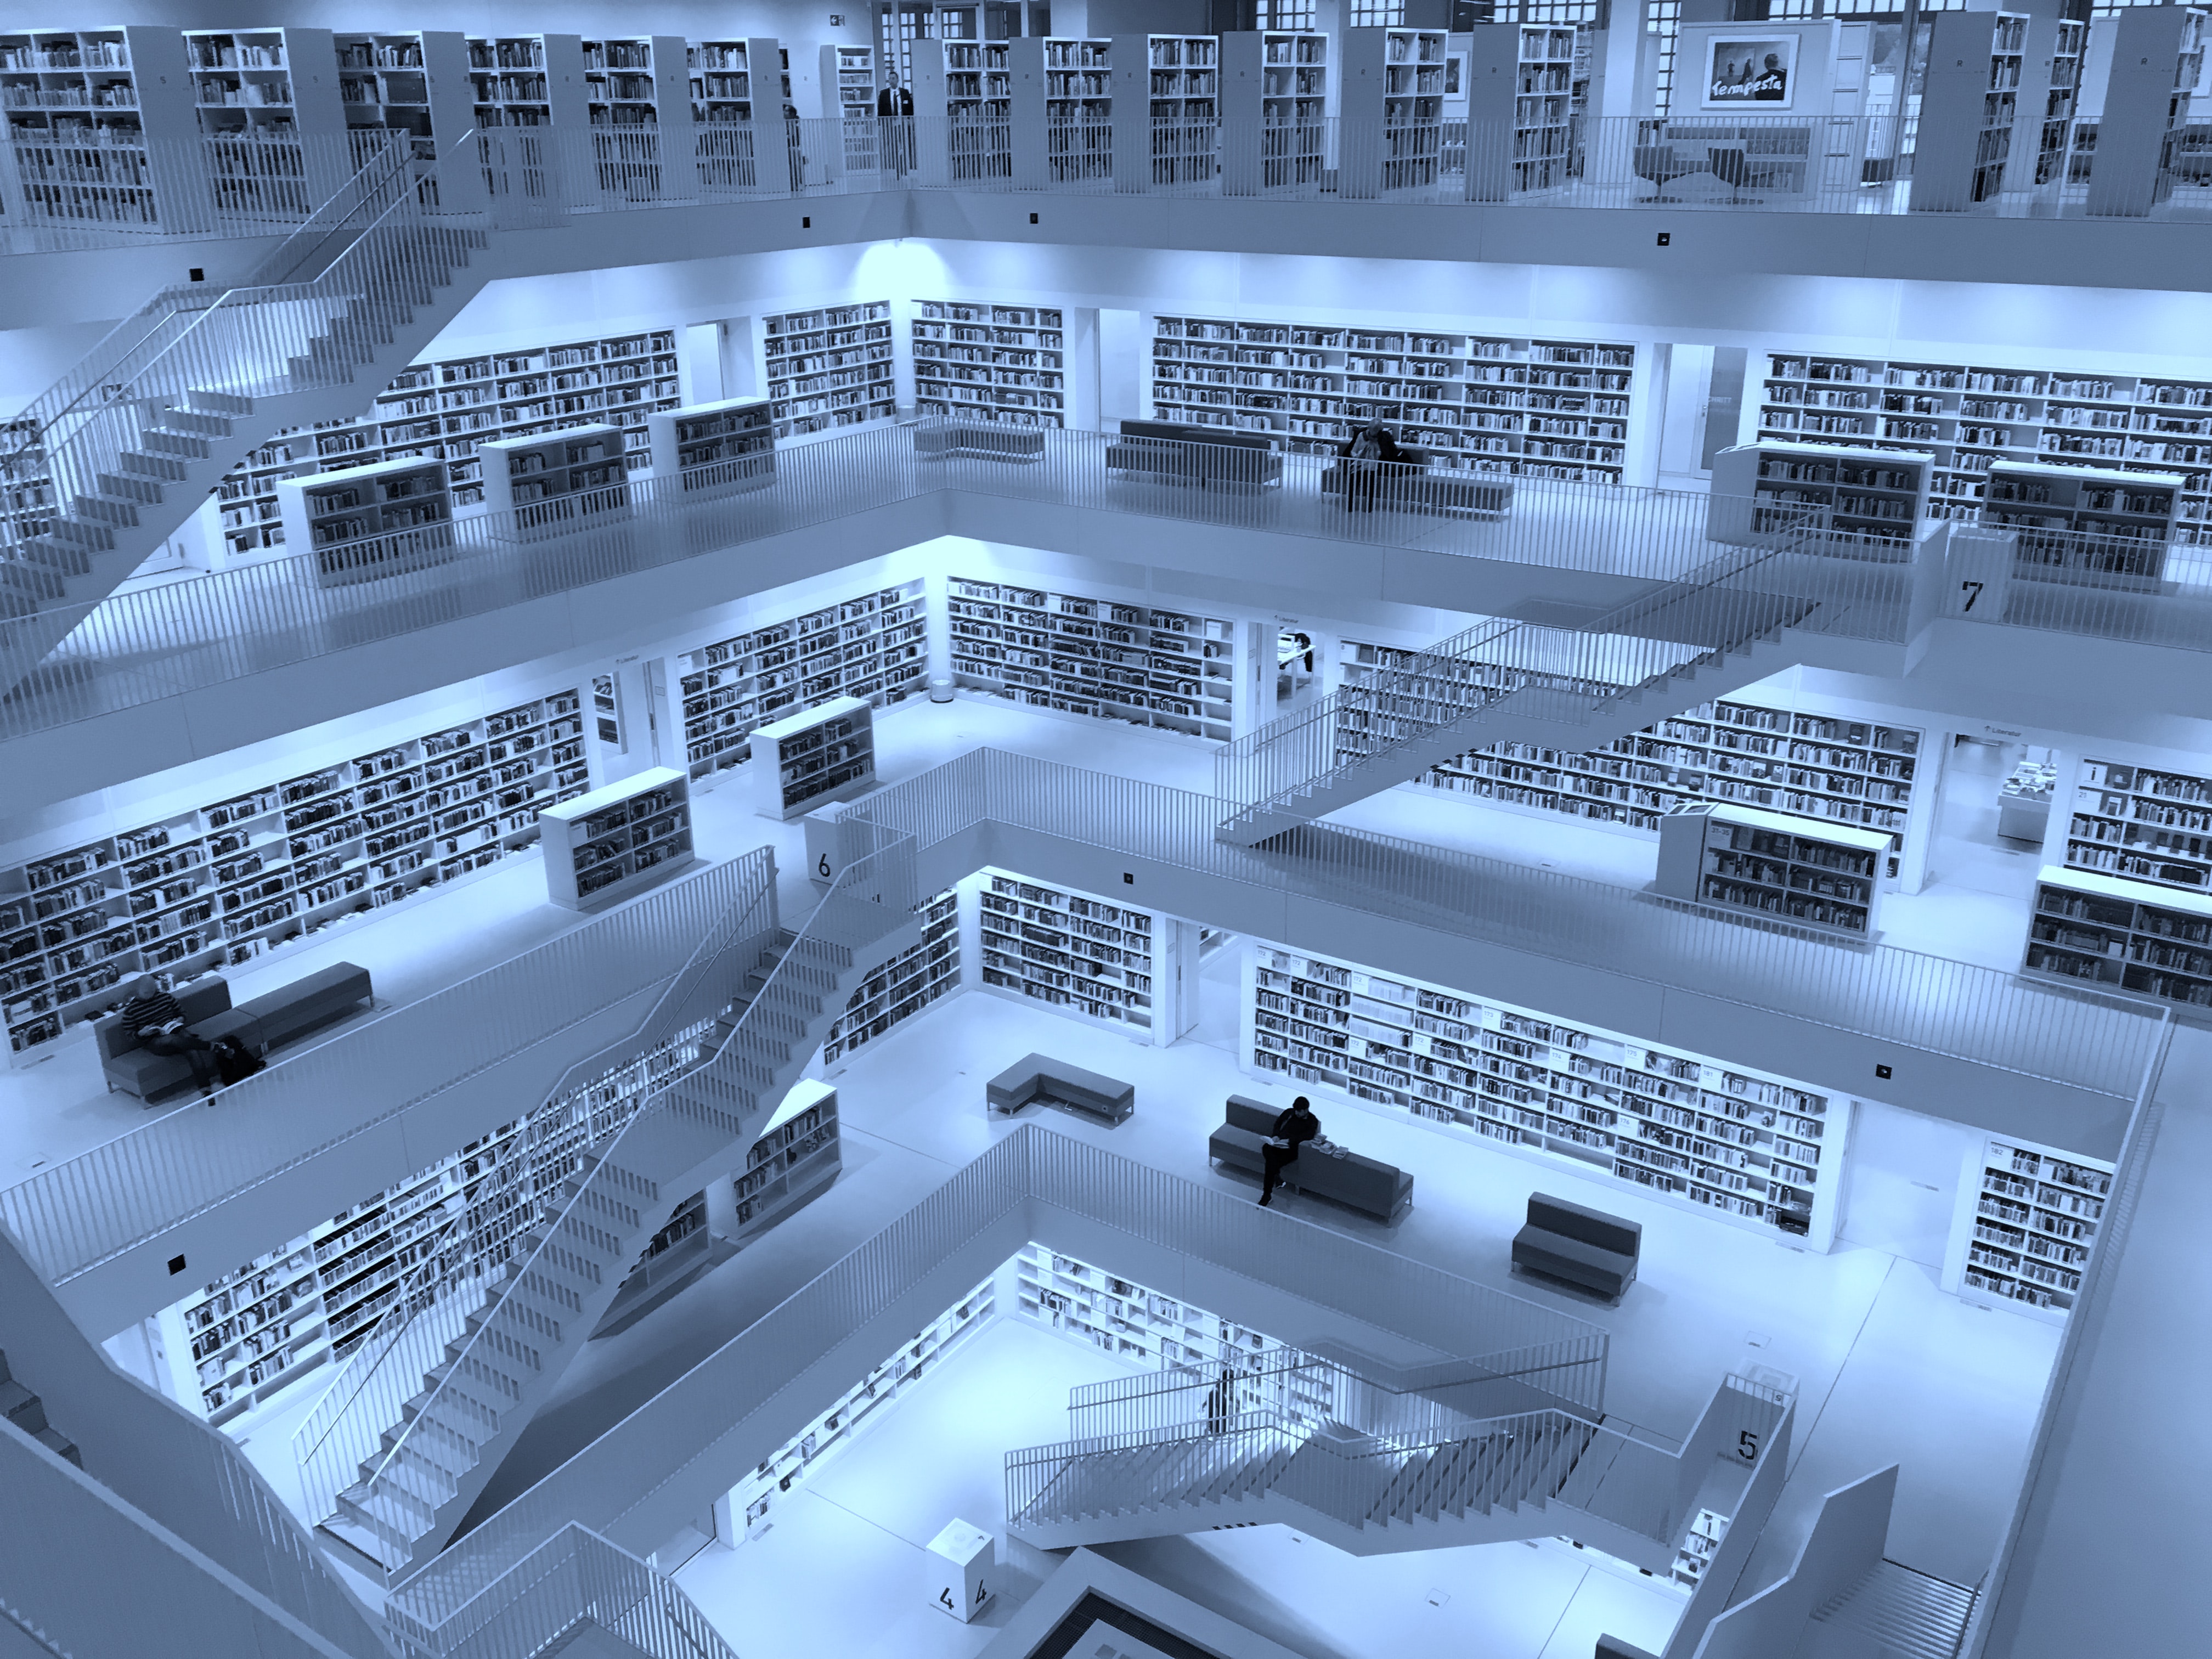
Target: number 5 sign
960	1559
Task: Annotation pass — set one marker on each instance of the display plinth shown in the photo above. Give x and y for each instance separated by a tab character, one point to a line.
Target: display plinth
617	841
960	1568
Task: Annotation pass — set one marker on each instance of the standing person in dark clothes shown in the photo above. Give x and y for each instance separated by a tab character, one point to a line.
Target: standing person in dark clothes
152	1014
1292	1130
1217	1401
894	118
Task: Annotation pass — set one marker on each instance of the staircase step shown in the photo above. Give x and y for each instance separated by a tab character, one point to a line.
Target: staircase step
217	403
60	1445
108	509
163	442
128	487
152	467
360	1546
22	1407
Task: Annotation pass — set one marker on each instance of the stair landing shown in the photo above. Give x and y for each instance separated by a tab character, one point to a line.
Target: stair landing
1893	1613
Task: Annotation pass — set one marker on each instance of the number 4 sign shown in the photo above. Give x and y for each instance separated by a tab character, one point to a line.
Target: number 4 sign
959	1558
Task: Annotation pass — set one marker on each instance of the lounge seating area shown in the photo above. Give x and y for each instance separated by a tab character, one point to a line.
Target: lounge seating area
282	1016
983	441
1037	1078
1373	1187
1586	1249
1772	158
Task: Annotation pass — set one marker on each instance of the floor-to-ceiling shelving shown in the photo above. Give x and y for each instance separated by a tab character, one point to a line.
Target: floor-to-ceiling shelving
272	95
216	885
1185	74
2062	92
874	646
830	367
1293	108
1081	655
80	110
2147	823
2026	1221
978	360
1070	949
906	985
1537	408
1077	105
1763	1152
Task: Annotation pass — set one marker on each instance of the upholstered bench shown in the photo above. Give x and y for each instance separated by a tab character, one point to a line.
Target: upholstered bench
1410	489
1586	1248
282	1016
1205	457
1035	1077
987	440
1379	1189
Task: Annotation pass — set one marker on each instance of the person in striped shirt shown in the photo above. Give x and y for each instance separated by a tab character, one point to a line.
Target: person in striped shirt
154	1015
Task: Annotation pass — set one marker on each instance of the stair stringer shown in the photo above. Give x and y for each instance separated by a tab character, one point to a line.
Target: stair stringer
475	1406
45	587
1701	680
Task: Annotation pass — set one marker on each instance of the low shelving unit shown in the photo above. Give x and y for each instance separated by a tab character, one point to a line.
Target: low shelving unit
824	754
2026	1221
1775	865
2123	935
713	449
619	841
557	484
365	522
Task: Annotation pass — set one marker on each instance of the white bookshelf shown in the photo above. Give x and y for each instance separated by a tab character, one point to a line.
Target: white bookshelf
1534	408
96	119
273	94
2123	935
1060	88
719	448
2060	95
797	1153
1164	94
2027	1219
1776	864
1094	960
2157	59
910	982
365	522
555	484
1969	107
417	82
1971	416
1762	1152
829	368
2128	516
1519	85
637	102
1761	490
874	646
215	886
978	360
1392	108
824	754
2147	822
616	841
970	84
1144	665
528	80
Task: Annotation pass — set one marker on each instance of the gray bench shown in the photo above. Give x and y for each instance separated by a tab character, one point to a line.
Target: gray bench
986	440
1584	1248
1381	1190
1209	457
1406	487
1037	1077
282	1016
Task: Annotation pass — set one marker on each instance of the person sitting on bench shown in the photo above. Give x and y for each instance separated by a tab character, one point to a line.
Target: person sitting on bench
1292	1130
152	1014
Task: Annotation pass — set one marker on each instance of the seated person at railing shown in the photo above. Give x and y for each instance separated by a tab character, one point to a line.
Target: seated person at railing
1370	455
1292	1130
152	1014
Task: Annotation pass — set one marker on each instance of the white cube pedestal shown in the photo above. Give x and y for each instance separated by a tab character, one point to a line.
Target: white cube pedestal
959	1558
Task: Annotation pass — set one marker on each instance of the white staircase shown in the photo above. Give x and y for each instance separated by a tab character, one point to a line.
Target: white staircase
1569	688
138	434
1893	1612
443	1445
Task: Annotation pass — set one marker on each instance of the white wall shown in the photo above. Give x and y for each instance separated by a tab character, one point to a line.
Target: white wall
1901	1182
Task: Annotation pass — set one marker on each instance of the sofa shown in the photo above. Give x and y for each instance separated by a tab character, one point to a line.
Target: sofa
986	440
282	1016
1411	488
1038	1077
1379	1189
1584	1248
1203	457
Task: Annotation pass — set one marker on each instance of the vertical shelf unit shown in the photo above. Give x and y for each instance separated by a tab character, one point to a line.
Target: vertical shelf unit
96	120
1165	94
873	647
1762	1152
753	1499
1775	865
273	95
216	885
2126	934
1074	953
1968	109
1391	105
555	484
1971	417
1879	496
2143	822
979	110
798	1154
236	1341
2157	59
2062	95
713	449
1540	409
1144	665
830	367
1521	108
826	753
1293	108
615	842
908	983
417	83
2026	1221
849	82
2128	518
1841	771
364	522
983	360
637	101
720	83
528	80
1062	89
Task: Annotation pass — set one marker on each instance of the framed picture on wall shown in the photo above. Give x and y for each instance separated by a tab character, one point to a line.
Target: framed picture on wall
1750	71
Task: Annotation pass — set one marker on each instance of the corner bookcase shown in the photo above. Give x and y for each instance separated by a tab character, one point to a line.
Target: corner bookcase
874	646
830	367
1763	1152
615	842
978	360
2026	1221
1077	953
1534	408
214	886
1817	766
1143	664
906	985
1971	416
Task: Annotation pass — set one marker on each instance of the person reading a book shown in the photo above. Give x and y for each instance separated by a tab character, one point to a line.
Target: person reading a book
1292	1130
152	1014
